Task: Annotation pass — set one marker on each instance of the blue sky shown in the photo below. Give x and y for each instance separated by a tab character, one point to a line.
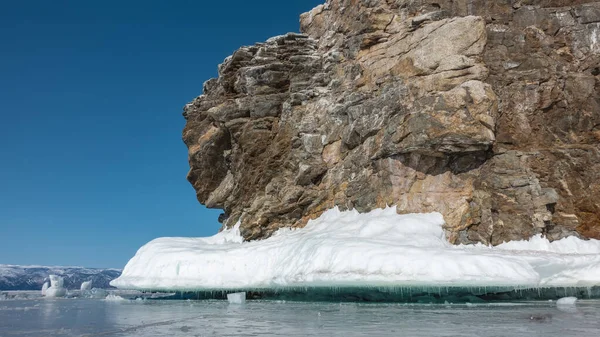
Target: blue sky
92	165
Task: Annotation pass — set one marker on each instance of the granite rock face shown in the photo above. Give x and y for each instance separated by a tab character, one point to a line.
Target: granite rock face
485	111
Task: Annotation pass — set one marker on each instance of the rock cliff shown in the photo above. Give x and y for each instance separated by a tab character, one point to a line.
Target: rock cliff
485	111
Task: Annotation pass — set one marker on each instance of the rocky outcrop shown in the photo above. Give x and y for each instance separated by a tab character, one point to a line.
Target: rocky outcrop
488	112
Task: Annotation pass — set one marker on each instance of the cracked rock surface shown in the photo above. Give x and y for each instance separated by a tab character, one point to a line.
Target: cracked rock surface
485	111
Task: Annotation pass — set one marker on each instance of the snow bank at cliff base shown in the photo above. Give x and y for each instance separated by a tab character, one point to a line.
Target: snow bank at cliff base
339	249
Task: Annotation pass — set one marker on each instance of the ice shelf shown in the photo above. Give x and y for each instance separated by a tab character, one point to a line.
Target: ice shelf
346	249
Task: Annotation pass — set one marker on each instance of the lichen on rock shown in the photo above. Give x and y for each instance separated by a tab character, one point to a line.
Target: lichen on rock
487	112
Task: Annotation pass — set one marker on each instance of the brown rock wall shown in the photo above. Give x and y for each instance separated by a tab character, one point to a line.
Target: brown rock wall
485	111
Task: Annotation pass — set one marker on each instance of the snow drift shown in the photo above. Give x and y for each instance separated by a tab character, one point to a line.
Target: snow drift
341	249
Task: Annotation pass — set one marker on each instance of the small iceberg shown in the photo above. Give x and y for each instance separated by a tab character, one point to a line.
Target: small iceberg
85	286
114	298
45	288
96	293
567	302
56	288
236	298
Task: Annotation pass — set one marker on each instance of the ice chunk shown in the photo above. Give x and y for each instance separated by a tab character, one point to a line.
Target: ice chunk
236	298
57	281
53	292
566	302
97	293
114	298
44	288
348	249
87	285
56	288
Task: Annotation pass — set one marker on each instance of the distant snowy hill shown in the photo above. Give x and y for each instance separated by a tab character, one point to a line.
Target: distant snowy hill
33	277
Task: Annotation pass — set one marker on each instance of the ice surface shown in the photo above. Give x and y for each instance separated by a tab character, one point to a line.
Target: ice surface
237	298
84	317
341	249
56	287
87	285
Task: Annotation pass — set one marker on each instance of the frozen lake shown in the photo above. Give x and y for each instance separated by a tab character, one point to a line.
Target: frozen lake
85	317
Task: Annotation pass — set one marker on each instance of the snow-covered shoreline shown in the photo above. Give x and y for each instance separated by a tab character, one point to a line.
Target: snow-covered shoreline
345	249
16	277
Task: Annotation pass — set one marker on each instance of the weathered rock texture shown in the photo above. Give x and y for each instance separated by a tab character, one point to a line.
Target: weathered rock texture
485	111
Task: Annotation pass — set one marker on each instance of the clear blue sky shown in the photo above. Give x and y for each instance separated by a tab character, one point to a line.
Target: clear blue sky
92	165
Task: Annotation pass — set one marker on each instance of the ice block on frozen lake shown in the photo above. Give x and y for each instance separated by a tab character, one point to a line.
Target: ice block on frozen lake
56	287
236	298
87	285
567	302
45	288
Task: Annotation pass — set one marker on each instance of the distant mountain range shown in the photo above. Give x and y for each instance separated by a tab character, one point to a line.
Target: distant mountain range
33	277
